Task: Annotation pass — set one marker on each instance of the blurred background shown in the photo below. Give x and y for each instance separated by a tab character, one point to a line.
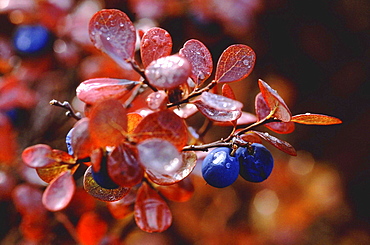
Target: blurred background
316	54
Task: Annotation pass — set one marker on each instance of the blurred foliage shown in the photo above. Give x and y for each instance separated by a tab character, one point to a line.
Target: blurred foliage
316	54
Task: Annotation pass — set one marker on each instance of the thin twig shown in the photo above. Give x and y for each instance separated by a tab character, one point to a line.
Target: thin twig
70	112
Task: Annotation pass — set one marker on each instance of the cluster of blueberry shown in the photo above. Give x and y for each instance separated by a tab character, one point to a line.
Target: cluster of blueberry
221	167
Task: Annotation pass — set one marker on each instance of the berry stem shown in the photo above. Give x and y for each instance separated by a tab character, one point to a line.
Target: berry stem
70	112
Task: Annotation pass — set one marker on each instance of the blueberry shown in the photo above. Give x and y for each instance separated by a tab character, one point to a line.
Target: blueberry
219	169
102	178
31	39
256	162
69	142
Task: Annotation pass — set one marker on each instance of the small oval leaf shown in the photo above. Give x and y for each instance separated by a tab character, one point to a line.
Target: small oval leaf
50	172
151	212
262	111
37	156
59	192
315	119
108	123
98	89
278	143
164	125
112	32
273	100
200	59
235	63
179	192
155	43
168	72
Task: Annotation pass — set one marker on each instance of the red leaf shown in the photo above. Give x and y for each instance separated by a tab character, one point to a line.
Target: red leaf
157	100
227	91
50	172
112	32
152	213
218	108
179	192
80	140
200	59
59	192
235	63
278	143
262	111
273	100
164	125
37	156
123	166
251	137
168	72
315	119
108	123
186	110
98	89
155	43
244	119
27	200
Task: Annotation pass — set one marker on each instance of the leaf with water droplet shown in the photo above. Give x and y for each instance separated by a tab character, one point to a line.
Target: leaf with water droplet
168	72
189	160
262	111
218	108
278	143
200	59
100	193
112	32
80	139
98	89
155	43
273	100
50	172
151	212
235	63
315	119
59	192
179	192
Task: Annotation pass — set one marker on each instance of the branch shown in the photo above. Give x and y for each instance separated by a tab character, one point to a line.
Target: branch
70	112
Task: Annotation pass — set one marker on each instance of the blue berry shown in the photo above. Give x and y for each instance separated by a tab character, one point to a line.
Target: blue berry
69	142
31	39
102	178
219	169
256	162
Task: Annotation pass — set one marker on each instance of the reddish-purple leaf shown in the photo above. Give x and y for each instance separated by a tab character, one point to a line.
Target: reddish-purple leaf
273	100
59	192
218	108
186	110
168	72
37	156
179	192
200	59
124	167
50	172
112	32
251	137
108	123
152	213
262	111
315	119
98	89
228	92
164	125
235	63
80	139
100	193
278	143
27	200
155	43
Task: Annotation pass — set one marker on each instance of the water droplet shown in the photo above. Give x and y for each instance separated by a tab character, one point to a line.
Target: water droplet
246	63
108	38
121	24
228	165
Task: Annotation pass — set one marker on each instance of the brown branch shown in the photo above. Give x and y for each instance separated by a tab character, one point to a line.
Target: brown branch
70	112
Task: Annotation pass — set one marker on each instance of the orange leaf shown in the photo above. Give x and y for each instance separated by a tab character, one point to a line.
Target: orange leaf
91	228
278	143
315	119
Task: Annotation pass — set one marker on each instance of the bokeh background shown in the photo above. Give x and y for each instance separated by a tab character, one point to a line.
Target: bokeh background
316	54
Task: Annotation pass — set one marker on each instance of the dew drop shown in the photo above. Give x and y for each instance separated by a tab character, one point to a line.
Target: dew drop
228	165
246	63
